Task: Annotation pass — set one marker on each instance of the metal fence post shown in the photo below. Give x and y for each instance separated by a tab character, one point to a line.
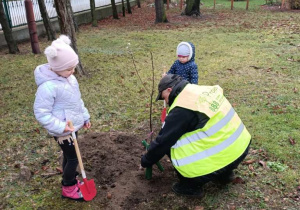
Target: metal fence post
7	13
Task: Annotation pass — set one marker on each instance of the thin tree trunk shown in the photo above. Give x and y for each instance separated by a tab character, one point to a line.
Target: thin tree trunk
138	2
192	8
160	12
128	7
114	9
93	13
67	27
11	43
47	23
69	7
123	8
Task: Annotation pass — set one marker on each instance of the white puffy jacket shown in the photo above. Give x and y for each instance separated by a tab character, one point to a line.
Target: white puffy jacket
58	100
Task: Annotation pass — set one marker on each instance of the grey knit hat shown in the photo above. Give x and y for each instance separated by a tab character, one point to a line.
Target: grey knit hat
185	49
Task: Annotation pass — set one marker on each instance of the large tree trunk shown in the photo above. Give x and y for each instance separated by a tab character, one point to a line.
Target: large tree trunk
123	8
69	7
192	8
93	13
66	23
160	12
114	9
47	23
11	43
128	7
138	2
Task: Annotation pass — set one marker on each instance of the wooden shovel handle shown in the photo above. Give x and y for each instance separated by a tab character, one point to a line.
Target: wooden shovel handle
77	152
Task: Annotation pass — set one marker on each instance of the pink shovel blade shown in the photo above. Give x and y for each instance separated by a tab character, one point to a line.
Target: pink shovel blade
88	189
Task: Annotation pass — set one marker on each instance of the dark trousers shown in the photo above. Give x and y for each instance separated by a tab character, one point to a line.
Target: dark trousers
70	162
219	175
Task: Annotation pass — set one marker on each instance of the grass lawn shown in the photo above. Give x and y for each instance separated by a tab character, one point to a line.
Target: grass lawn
253	55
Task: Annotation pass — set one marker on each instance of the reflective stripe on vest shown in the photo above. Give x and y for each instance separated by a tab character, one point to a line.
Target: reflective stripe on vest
211	151
221	141
203	134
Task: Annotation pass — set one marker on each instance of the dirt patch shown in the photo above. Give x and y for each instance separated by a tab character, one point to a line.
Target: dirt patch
112	160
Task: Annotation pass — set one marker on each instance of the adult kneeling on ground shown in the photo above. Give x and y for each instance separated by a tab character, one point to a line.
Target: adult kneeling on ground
202	135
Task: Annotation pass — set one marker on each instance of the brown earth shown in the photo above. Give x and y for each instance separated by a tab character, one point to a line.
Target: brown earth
112	160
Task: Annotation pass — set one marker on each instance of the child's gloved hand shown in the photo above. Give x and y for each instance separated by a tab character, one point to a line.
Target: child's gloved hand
68	128
87	125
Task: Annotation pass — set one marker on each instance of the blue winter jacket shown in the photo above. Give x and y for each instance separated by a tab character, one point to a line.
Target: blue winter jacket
188	70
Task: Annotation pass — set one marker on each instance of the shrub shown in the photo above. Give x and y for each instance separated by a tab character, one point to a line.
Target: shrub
294	4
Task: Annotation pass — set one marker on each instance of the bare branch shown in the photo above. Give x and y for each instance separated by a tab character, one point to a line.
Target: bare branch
133	61
151	95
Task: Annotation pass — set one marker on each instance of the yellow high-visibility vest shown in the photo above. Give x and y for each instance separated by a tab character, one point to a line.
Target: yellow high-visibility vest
220	142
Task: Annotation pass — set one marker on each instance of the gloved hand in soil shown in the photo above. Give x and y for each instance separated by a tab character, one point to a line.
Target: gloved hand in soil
141	168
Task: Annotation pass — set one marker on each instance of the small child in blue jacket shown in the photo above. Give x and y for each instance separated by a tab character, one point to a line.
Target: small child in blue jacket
185	65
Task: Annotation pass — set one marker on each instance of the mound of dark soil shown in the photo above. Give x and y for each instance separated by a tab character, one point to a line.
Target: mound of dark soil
112	160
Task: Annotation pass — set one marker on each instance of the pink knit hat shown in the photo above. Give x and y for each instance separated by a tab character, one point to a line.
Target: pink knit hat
60	54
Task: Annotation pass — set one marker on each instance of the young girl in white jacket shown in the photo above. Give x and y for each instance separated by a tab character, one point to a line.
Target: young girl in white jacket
58	101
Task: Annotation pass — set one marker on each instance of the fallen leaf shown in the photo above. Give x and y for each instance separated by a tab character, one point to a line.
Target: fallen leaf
248	162
109	195
254	151
292	141
37	130
59	170
276	107
262	163
44	168
199	208
295	90
251	167
238	180
231	207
